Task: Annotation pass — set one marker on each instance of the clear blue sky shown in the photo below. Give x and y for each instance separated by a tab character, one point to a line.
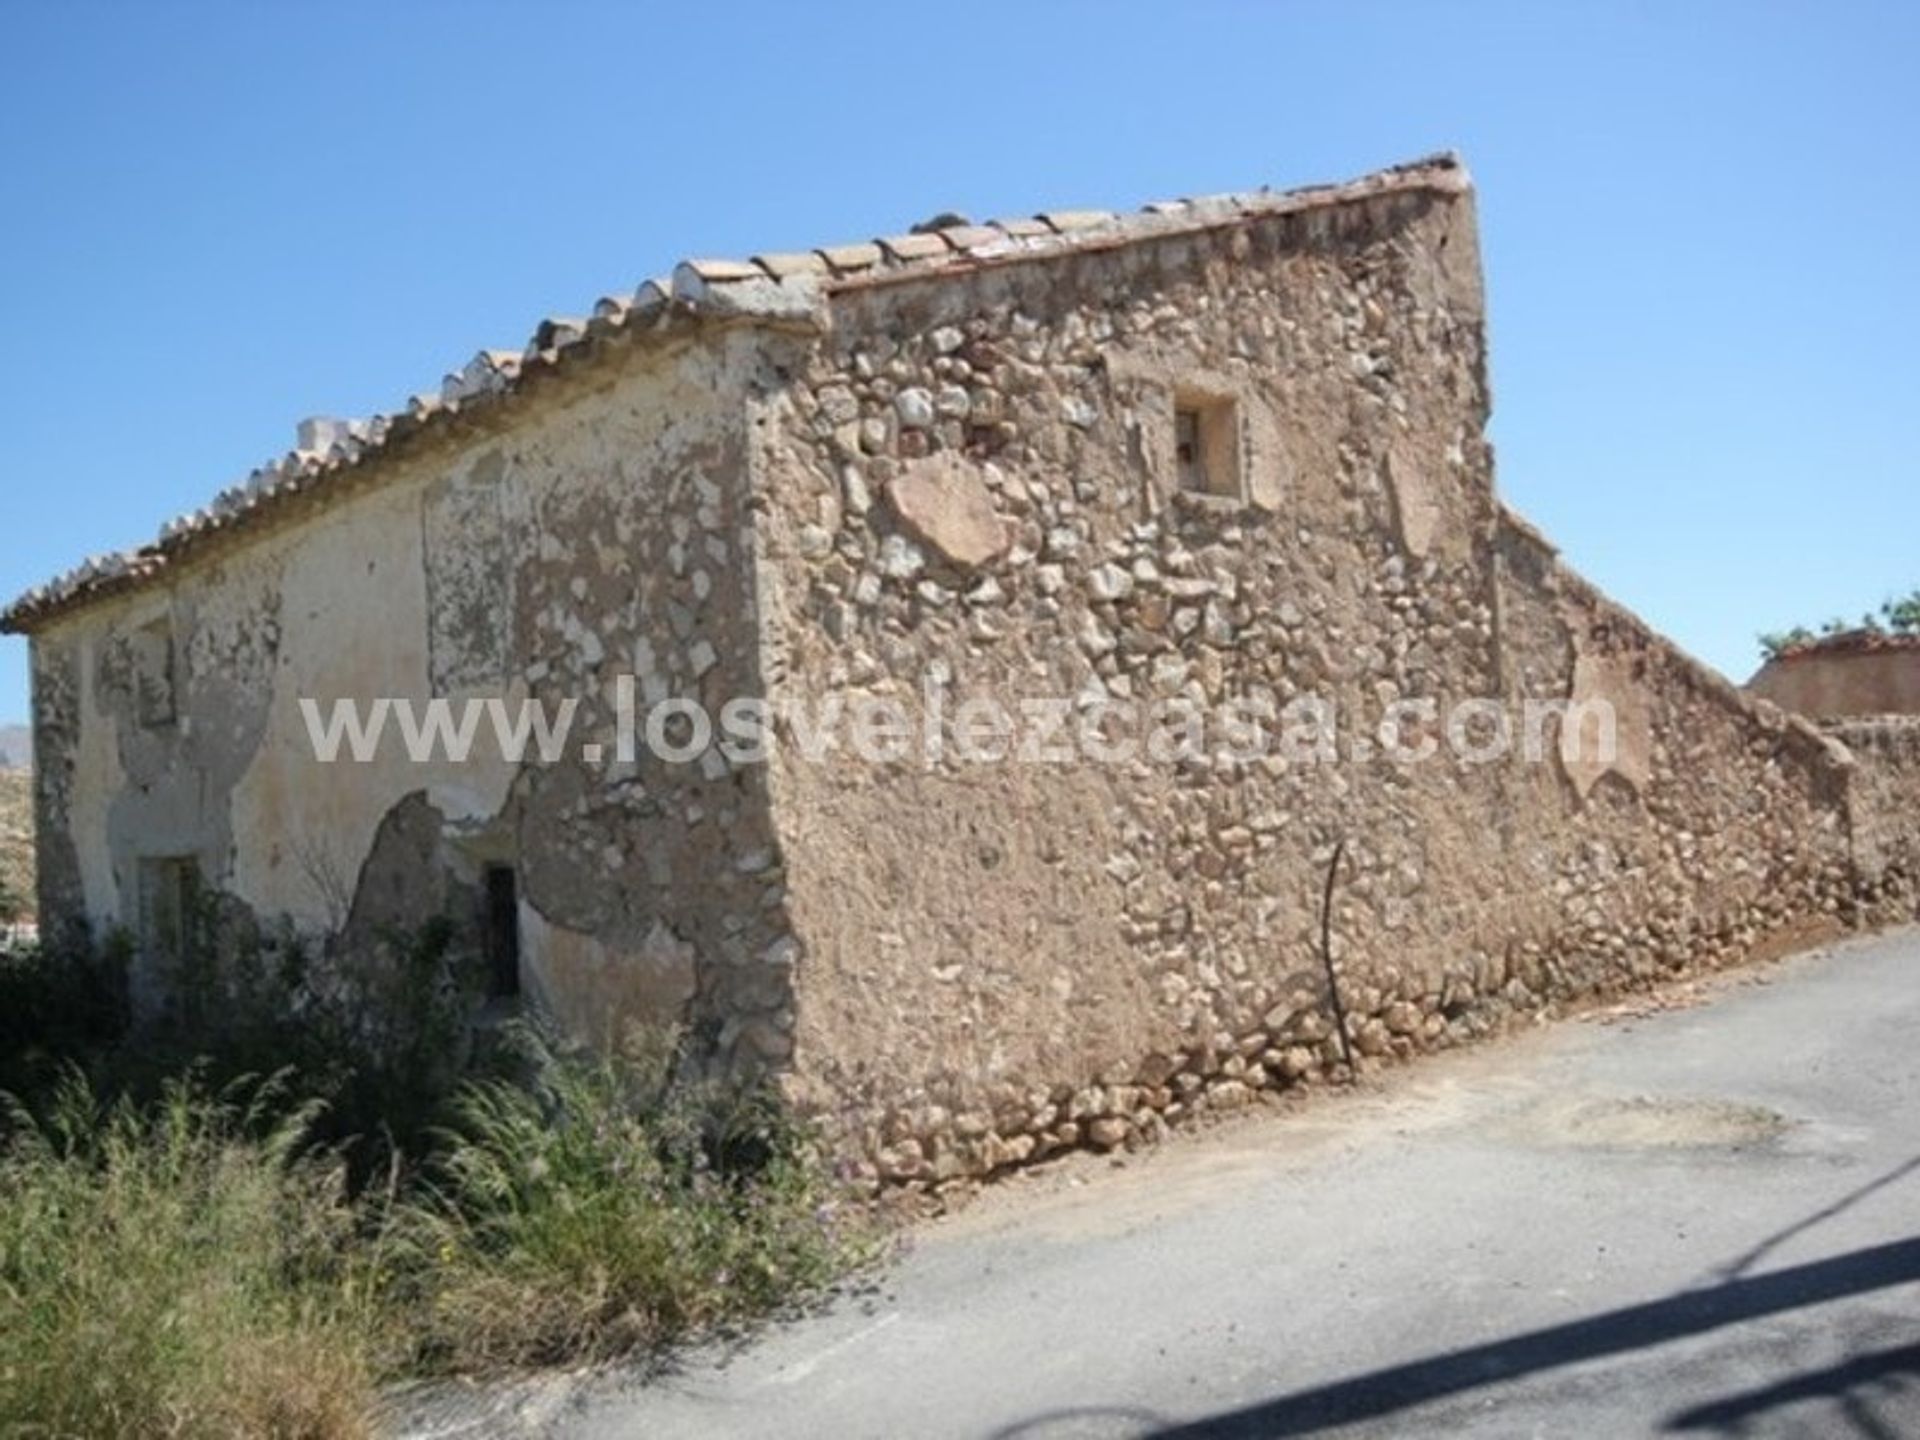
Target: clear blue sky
1698	225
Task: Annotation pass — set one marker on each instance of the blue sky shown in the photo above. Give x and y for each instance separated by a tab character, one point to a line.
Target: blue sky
1697	222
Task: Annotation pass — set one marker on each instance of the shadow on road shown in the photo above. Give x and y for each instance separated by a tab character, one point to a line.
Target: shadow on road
1400	1387
1741	1264
1074	1421
1844	1384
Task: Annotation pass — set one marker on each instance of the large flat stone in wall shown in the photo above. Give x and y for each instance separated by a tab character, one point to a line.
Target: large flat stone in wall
1416	508
943	502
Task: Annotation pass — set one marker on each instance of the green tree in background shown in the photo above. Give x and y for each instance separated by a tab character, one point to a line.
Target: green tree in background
1895	617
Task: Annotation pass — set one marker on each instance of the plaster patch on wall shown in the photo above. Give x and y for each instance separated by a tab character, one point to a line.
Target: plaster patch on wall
1606	680
464	544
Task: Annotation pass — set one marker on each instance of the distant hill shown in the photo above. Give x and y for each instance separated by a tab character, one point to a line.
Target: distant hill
16	747
16	837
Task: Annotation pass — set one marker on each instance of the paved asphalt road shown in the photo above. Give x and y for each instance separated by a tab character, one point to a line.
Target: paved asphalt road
1702	1220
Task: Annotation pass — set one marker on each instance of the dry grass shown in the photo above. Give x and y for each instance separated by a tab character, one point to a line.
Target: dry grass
600	1212
180	1271
16	838
195	1266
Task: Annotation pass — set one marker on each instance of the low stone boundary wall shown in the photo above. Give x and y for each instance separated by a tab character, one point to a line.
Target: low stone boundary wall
1883	797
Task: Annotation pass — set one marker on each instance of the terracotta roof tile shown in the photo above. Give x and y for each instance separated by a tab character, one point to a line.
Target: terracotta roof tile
718	272
805	262
556	332
777	287
1065	222
974	237
916	246
843	259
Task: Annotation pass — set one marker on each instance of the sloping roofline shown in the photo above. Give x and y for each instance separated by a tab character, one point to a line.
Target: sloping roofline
784	290
1847	642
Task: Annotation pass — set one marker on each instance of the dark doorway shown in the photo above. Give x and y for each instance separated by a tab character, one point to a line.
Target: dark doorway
503	931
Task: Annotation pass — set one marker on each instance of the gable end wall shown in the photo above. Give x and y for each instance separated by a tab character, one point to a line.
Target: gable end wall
998	961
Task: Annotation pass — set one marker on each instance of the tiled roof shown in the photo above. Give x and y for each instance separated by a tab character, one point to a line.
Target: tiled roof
330	455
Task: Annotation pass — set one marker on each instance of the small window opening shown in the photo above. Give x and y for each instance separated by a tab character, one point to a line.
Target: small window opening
153	673
1186	440
503	931
1206	445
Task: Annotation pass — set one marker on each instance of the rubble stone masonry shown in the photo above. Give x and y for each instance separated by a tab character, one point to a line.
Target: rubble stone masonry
1003	961
1226	452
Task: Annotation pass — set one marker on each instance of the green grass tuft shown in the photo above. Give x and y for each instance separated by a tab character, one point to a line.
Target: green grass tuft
179	1271
602	1209
198	1264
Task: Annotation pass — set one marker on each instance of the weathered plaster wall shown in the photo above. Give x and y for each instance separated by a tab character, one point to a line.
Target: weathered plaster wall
974	480
1835	683
598	532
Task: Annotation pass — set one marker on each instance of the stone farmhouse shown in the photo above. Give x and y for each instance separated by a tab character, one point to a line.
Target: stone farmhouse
1225	449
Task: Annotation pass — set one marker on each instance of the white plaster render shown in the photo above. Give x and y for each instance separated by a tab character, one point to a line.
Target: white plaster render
353	594
529	566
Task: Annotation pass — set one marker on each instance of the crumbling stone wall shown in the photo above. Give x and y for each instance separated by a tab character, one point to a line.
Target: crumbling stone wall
601	534
973	479
1883	808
